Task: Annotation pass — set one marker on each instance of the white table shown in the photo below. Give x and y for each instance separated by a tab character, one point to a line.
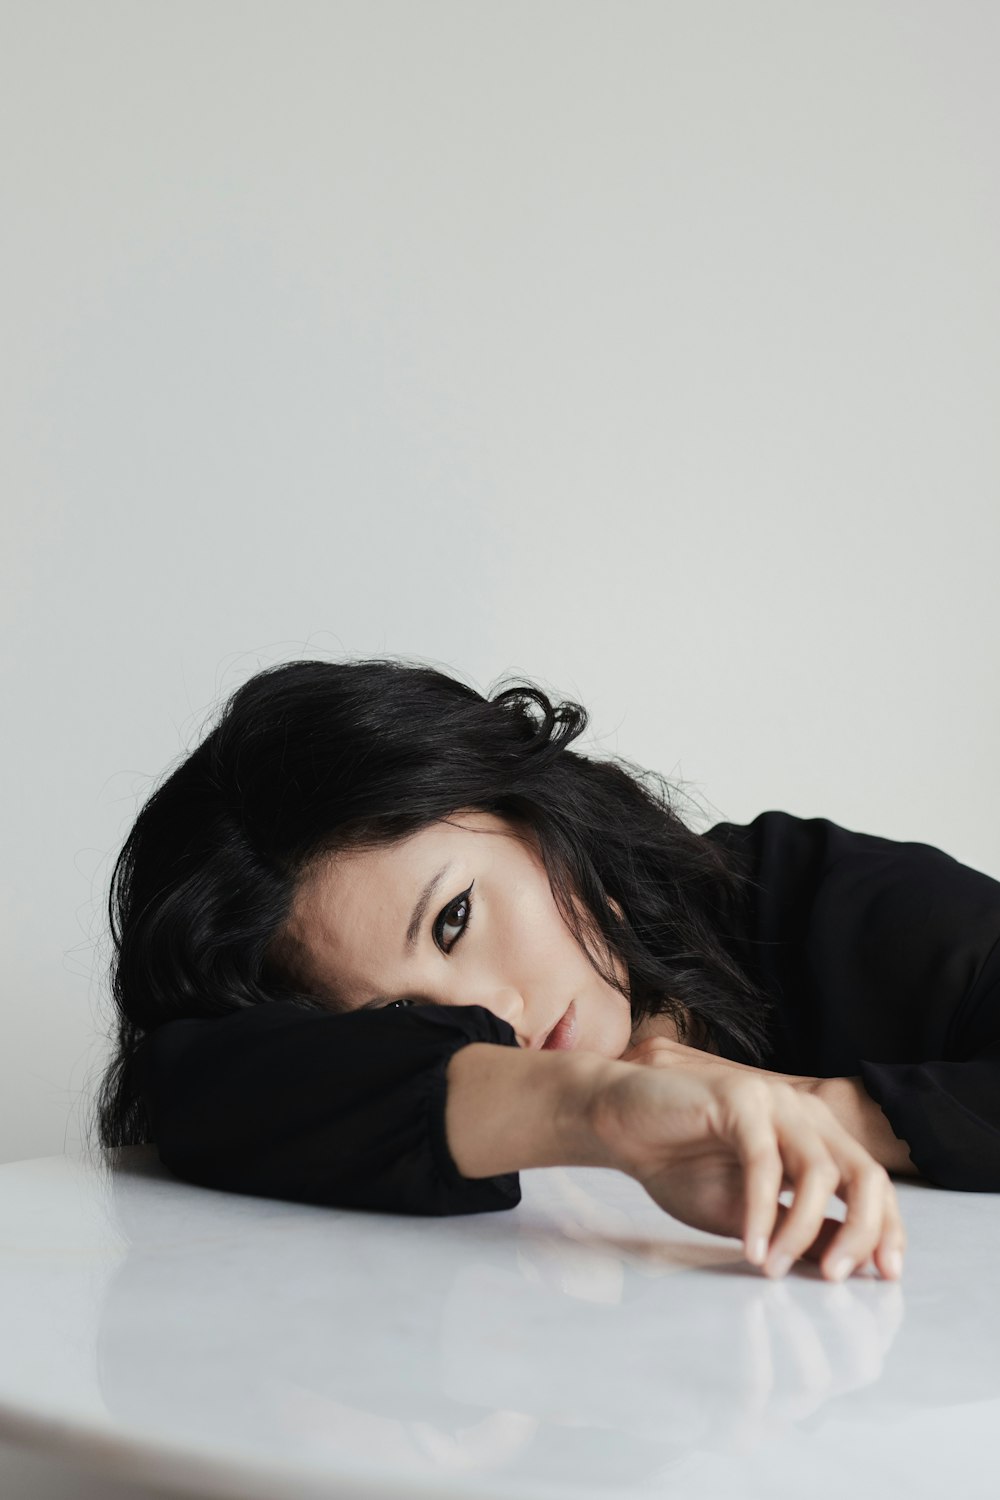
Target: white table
581	1345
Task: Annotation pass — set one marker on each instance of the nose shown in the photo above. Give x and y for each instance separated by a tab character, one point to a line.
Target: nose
509	1006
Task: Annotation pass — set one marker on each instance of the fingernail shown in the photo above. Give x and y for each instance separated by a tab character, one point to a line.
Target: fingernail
841	1268
893	1262
779	1265
757	1250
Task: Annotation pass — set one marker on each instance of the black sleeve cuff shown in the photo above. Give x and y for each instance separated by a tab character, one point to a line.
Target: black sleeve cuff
284	1101
948	1113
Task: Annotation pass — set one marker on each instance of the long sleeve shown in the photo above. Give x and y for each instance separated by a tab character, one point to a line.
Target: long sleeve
280	1101
884	958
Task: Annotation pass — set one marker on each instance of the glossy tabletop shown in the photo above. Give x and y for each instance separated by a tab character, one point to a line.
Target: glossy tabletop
583	1344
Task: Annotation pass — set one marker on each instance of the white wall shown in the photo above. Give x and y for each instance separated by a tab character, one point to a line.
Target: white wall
648	349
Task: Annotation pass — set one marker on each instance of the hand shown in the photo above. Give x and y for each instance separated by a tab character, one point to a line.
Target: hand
846	1098
714	1146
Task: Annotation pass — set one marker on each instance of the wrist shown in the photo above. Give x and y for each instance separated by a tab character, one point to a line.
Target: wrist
806	1084
511	1108
850	1103
585	1114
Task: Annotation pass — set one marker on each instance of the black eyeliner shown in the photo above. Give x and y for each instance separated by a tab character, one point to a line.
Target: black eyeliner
456	901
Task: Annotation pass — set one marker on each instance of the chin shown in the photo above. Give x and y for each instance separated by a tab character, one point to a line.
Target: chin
613	1046
608	1049
604	1029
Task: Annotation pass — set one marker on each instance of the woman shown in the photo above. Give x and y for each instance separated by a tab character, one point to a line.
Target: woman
383	942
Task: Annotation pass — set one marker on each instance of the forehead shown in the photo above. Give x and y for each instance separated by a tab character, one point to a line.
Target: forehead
346	932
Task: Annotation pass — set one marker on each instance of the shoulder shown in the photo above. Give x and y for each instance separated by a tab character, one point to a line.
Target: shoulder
808	864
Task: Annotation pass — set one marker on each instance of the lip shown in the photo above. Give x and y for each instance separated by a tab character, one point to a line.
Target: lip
562	1037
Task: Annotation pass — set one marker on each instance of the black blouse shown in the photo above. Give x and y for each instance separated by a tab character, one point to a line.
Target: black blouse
883	959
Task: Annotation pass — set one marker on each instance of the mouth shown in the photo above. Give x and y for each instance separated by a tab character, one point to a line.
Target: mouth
562	1037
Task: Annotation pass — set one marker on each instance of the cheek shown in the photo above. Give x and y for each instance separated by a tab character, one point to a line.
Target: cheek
605	1024
552	965
605	1013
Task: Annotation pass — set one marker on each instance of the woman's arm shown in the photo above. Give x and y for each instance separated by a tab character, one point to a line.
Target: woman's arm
711	1146
511	1108
435	1110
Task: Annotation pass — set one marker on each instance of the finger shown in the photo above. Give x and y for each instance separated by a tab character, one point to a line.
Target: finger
827	1230
763	1175
891	1248
814	1177
873	1224
867	1192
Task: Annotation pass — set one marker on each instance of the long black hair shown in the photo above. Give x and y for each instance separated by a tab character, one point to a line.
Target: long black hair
313	757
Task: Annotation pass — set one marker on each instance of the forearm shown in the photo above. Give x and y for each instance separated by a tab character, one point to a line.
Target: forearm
510	1108
855	1109
699	1140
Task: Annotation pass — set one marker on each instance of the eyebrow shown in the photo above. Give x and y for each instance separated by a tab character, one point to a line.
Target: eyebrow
422	901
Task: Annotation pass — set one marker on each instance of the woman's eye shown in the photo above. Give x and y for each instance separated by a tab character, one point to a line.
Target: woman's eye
457	915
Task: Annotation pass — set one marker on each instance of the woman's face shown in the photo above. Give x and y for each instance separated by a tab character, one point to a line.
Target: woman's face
460	913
